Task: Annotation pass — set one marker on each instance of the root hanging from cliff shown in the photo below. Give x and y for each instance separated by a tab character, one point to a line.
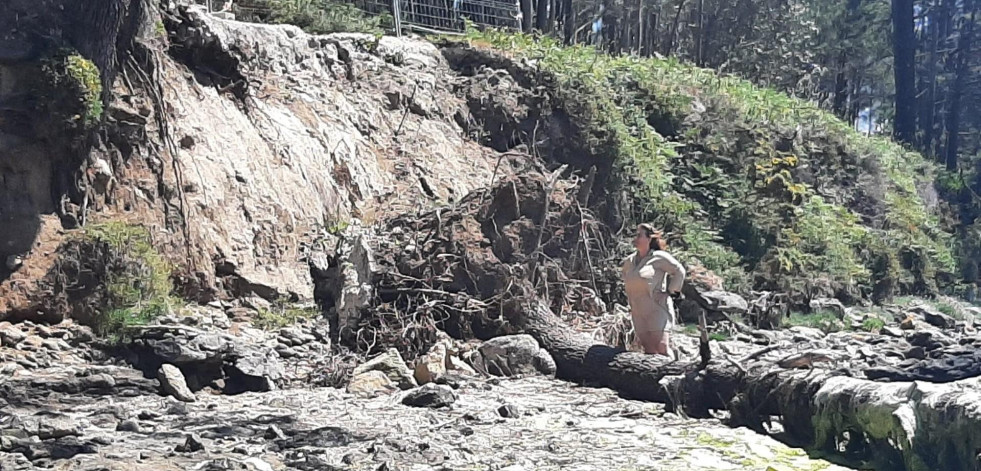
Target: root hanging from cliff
144	59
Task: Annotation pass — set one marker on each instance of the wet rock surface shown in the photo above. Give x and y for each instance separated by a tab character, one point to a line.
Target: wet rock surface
83	408
91	411
549	425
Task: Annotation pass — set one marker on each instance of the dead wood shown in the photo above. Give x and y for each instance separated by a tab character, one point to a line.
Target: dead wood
906	425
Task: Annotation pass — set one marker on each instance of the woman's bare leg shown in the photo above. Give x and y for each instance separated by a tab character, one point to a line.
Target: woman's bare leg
657	342
646	342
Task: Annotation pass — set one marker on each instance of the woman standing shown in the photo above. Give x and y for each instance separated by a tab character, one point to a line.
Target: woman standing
650	276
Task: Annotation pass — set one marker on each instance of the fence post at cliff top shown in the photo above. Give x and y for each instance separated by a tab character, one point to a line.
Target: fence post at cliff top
397	15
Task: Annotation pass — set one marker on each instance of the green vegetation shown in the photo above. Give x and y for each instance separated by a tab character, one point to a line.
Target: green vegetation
760	187
136	285
71	88
949	310
825	321
692	330
873	324
282	314
325	16
718	336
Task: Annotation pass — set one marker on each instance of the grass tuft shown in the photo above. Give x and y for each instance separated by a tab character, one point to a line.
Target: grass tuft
282	314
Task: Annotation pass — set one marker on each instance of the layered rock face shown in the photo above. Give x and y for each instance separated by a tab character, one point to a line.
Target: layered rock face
263	140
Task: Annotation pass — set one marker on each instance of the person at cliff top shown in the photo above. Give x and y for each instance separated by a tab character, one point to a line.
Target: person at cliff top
651	275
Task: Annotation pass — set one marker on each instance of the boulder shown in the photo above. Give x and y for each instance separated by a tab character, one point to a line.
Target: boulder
930	340
392	365
509	411
891	331
828	305
430	395
809	333
934	317
353	288
917	353
516	355
129	425
11	335
274	433
191	444
172	381
460	366
44	427
432	365
371	383
724	301
260	364
188	346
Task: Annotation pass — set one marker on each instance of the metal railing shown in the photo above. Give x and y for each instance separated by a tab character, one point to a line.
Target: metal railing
427	16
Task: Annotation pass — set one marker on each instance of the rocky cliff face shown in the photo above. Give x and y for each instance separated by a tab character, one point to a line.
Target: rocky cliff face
259	141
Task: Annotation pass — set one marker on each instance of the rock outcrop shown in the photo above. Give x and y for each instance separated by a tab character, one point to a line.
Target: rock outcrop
516	355
270	139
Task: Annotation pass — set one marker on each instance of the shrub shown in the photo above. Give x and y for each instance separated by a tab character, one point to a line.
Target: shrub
109	276
326	16
70	87
873	324
949	310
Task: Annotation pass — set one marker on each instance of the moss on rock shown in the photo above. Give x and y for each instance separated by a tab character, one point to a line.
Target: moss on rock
70	88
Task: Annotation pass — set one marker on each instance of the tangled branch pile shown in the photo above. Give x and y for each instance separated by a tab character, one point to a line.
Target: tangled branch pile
449	269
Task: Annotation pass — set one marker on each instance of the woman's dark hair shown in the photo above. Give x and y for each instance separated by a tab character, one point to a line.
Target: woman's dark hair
657	238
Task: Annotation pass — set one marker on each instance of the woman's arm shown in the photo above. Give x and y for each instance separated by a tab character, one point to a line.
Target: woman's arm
675	270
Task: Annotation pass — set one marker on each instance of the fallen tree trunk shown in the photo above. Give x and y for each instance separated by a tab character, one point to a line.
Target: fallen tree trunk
911	425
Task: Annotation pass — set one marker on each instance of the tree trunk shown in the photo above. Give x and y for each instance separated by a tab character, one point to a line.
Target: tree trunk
526	15
699	50
961	72
841	94
609	35
625	34
568	21
928	115
94	29
841	88
904	50
641	34
541	17
901	425
854	105
553	8
673	35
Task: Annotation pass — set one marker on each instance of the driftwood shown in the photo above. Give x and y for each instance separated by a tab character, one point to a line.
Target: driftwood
903	425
